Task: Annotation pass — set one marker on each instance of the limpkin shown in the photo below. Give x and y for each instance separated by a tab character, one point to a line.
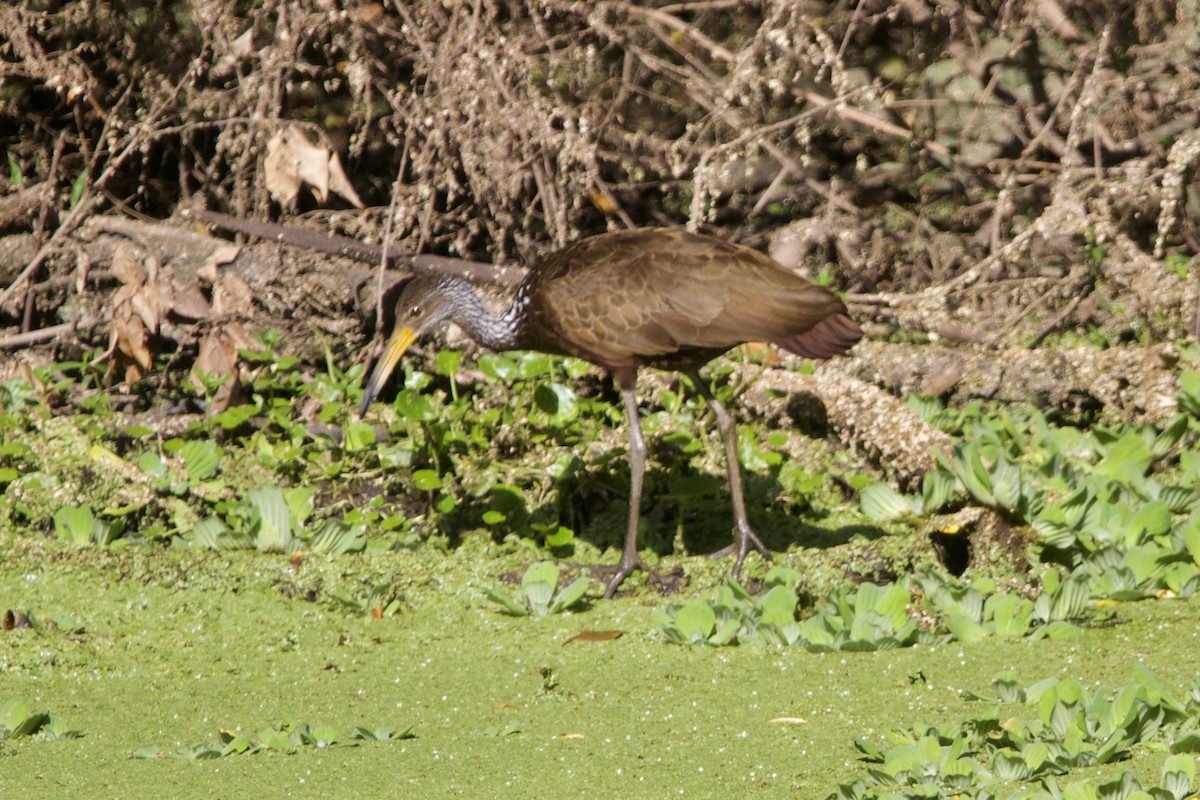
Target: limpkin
660	298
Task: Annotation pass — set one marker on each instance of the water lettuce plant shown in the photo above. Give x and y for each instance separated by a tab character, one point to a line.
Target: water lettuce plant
17	719
271	520
539	594
1037	733
928	609
1120	505
285	738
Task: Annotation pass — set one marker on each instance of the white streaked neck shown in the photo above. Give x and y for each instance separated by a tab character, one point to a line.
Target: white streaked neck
493	332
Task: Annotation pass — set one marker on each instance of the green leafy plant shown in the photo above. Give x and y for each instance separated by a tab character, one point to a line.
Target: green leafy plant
16	458
384	600
881	502
508	729
735	615
284	738
539	594
18	720
929	609
696	621
1178	782
972	611
78	525
271	520
867	618
1056	726
1108	502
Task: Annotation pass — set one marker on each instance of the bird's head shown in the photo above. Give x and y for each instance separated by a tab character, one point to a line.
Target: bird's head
422	305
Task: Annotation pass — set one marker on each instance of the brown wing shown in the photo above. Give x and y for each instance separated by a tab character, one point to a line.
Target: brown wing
654	295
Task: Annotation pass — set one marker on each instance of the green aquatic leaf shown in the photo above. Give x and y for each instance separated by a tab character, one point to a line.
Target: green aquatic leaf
695	620
881	502
570	595
201	459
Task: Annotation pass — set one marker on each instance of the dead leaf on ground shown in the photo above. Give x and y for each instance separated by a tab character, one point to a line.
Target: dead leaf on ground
239	51
220	256
128	268
218	358
127	342
152	301
15	619
147	296
231	297
292	161
190	302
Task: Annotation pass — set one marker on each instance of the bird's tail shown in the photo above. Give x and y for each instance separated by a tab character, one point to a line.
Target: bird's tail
829	337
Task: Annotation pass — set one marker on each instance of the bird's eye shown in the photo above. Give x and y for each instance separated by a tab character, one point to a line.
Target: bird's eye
415	311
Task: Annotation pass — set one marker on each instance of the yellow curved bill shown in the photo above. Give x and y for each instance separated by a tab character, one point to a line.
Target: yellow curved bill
397	345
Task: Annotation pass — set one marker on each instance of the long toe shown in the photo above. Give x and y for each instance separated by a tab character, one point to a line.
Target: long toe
747	538
742	543
626	568
740	546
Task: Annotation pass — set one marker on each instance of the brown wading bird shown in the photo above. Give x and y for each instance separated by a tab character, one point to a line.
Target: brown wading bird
658	298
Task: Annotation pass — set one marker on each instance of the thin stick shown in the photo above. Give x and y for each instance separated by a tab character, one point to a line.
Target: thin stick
20	340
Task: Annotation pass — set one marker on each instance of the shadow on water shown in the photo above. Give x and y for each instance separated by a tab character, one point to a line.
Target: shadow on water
684	510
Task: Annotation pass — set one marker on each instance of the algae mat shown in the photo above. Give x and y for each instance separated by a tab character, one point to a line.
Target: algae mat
149	649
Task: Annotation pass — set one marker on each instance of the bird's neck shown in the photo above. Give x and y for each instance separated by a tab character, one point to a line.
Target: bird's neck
493	332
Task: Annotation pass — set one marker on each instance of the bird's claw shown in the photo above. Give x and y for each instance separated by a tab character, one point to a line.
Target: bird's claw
741	546
626	568
629	566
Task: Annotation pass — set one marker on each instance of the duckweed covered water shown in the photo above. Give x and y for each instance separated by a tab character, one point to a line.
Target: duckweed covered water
140	648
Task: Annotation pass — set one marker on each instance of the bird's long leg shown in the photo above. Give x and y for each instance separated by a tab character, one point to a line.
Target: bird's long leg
630	560
745	535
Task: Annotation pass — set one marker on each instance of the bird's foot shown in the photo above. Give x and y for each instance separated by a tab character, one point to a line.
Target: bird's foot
627	567
629	564
741	546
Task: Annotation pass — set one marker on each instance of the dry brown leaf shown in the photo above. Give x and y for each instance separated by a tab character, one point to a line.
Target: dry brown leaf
127	268
15	619
138	309
152	302
283	165
127	345
83	263
340	184
239	50
292	161
221	255
231	296
189	301
369	13
241	337
127	332
218	358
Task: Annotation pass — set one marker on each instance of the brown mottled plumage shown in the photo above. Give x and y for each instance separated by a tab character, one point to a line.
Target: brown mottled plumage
655	297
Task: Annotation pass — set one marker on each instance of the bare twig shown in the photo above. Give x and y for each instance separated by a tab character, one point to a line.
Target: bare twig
674	23
20	340
851	114
72	220
387	237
